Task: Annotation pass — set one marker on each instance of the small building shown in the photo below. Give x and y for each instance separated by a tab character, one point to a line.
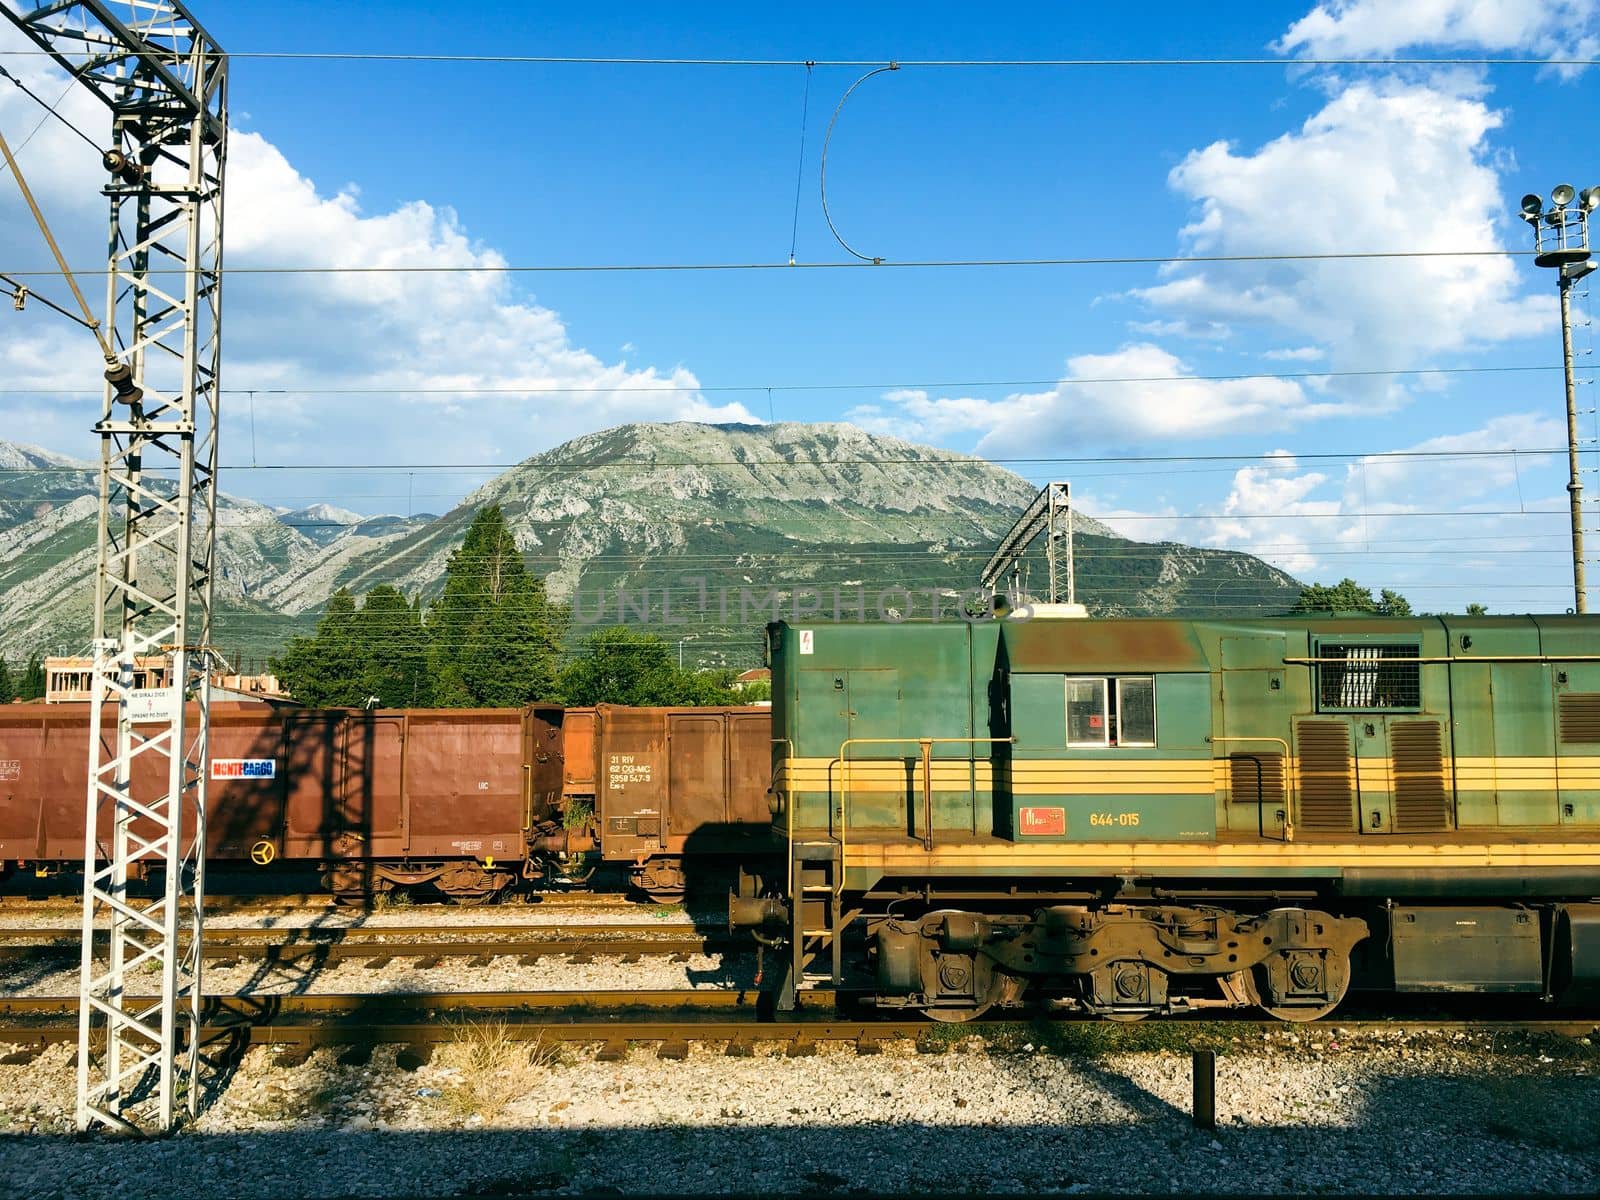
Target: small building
752	677
70	680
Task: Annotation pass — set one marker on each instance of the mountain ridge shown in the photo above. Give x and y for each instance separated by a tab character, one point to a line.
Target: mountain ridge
682	512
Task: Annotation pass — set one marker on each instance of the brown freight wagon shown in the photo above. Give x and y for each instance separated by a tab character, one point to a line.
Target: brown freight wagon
380	798
681	790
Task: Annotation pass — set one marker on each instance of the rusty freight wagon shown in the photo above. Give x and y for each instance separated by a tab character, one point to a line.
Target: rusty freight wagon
456	798
1143	815
681	790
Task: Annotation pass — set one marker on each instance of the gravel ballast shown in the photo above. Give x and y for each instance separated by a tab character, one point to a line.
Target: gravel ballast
1298	1111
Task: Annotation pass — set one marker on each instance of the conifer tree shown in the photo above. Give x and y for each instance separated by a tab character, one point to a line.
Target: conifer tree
8	690
394	647
495	634
326	670
32	680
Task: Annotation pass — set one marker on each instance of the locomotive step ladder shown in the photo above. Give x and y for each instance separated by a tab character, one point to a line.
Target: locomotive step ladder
818	914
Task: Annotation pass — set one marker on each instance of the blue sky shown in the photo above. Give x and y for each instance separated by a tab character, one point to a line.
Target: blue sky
361	163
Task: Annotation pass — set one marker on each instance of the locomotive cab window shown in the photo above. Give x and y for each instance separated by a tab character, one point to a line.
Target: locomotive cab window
1111	711
1365	677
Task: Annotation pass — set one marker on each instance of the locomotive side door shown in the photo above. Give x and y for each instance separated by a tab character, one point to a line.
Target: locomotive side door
1369	734
1253	734
880	777
866	704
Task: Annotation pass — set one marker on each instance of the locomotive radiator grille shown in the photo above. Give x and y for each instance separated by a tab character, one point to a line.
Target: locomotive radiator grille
1421	801
1580	717
1242	778
1327	776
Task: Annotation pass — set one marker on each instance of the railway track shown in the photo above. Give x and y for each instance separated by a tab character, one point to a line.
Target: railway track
430	944
321	902
668	1020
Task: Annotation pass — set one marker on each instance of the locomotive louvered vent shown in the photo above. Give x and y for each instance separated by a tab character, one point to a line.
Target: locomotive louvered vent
1327	792
1580	717
1367	677
1245	785
1421	801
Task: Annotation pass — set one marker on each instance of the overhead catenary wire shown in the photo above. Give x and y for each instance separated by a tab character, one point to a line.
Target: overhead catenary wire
859	63
51	110
1287	461
800	166
1138	260
757	388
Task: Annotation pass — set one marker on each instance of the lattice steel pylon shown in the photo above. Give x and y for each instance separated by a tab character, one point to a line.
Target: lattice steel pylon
165	81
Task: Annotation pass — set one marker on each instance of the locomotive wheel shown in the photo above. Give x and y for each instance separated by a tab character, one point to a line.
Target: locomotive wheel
1337	979
1002	989
1126	1016
1299	1015
959	1016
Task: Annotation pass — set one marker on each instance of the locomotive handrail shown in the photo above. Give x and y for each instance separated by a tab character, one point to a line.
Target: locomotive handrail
927	744
1465	659
1288	780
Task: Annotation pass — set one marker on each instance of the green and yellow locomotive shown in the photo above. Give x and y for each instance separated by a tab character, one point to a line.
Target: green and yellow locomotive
1142	815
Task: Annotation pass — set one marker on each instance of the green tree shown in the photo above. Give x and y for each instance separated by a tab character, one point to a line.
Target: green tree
375	655
393	645
625	666
32	687
8	690
1477	610
495	633
1393	604
326	670
1348	596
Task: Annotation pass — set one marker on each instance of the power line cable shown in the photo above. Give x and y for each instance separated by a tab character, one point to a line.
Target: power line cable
860	63
50	110
756	388
1287	461
800	167
1145	260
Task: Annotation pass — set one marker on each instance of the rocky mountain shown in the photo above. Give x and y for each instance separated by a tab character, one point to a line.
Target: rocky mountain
698	529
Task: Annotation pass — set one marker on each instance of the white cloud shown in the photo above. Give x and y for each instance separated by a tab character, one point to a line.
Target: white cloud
1346	181
1207	331
1379	28
432	332
1152	397
1296	354
1362	521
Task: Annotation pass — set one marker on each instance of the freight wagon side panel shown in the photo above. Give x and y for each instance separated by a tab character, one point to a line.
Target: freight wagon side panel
716	801
44	771
245	783
464	783
750	770
631	780
317	825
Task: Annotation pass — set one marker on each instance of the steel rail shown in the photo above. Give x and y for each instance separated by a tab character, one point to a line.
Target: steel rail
365	1027
323	903
314	1004
329	945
